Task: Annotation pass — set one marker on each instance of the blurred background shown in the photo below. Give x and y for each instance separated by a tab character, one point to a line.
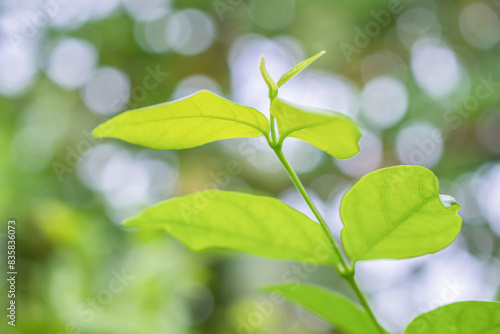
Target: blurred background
422	79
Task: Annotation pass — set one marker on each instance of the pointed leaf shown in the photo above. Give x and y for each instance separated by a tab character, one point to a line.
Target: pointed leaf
396	213
460	318
298	68
258	225
331	307
273	87
192	121
331	132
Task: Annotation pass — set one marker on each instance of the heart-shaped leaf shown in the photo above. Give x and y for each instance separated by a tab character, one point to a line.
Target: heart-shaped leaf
396	213
328	305
331	132
460	318
189	122
258	225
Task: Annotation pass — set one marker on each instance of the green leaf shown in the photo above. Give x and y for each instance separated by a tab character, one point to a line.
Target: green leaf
298	68
396	213
331	132
258	225
273	87
460	318
331	307
192	121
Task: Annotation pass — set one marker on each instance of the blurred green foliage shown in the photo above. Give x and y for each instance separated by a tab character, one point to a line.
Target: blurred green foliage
70	247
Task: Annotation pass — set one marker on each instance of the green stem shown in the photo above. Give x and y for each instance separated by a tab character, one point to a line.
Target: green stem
364	302
273	131
343	269
347	272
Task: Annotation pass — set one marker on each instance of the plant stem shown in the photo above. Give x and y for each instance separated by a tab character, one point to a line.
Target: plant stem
364	302
343	266
347	272
273	131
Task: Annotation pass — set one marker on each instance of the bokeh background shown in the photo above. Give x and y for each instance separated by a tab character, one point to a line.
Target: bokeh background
422	78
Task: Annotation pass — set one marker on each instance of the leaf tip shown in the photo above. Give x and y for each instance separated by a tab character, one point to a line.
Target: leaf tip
278	290
130	223
98	133
262	67
102	130
449	201
127	223
266	288
271	84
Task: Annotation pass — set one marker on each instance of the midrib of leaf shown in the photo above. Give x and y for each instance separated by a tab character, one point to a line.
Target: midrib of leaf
234	114
255	240
394	227
200	116
288	133
298	68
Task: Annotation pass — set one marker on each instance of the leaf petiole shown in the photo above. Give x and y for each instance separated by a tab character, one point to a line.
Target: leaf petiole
273	133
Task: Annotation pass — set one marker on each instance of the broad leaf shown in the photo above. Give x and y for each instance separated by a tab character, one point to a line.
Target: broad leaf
298	68
273	87
396	213
331	132
192	121
459	318
258	225
332	307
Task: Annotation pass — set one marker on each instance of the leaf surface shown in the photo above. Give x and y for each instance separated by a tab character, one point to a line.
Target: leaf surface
331	132
189	122
258	225
328	305
396	213
298	68
459	318
273	87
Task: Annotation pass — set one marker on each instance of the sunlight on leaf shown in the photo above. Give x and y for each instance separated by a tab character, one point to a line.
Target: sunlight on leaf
189	122
258	225
299	68
331	132
273	87
328	305
396	213
461	318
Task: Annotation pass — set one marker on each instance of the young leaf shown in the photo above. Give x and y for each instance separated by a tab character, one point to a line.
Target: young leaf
332	307
258	225
298	68
396	213
192	121
273	87
331	132
463	318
